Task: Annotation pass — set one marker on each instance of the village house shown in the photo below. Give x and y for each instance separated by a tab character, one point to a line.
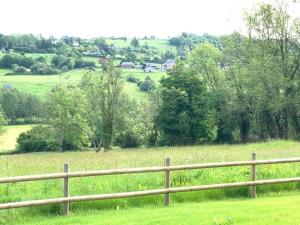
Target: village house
168	65
149	67
127	65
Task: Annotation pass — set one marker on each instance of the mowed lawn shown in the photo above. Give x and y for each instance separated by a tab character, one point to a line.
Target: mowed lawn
8	140
280	210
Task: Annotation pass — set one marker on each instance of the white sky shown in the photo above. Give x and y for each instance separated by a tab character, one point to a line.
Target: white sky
91	18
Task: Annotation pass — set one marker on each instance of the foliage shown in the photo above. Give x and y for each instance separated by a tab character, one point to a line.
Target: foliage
65	114
38	139
81	63
2	121
128	139
43	69
147	85
10	59
16	105
102	91
184	114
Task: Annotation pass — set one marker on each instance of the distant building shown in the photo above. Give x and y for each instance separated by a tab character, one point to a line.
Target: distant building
127	65
149	67
168	65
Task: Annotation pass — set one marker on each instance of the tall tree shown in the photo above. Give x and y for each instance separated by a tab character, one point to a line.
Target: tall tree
65	113
276	35
184	115
103	91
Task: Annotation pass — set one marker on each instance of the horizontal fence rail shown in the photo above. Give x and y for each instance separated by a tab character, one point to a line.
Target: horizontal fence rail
143	170
167	168
144	193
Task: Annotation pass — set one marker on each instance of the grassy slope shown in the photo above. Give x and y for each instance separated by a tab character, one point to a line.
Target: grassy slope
280	210
8	139
40	85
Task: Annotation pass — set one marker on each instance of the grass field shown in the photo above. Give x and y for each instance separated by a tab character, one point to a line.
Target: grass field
37	163
279	210
40	85
8	139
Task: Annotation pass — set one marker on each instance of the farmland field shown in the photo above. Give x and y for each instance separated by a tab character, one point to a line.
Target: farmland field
37	163
40	85
8	139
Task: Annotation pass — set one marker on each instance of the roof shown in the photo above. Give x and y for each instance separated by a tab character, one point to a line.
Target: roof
127	64
170	61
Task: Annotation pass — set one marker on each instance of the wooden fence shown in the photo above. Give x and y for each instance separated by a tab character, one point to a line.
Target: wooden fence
167	168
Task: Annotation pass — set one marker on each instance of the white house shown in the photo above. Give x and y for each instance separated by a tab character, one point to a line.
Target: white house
168	65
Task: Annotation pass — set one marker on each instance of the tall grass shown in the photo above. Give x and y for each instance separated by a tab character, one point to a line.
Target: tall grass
37	163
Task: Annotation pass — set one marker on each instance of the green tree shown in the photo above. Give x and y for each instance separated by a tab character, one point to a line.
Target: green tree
135	43
65	113
103	91
184	116
2	122
275	35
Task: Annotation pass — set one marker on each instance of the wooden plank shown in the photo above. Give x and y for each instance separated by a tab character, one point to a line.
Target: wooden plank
143	170
144	193
167	182
66	190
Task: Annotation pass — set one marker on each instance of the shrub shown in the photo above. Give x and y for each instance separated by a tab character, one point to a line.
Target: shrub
132	79
20	69
38	139
8	60
61	61
147	85
128	139
81	63
44	69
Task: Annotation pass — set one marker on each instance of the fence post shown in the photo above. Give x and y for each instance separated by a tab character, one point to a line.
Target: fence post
167	182
66	190
253	173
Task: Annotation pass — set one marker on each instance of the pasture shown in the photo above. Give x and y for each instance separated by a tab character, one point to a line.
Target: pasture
9	139
40	85
37	163
279	210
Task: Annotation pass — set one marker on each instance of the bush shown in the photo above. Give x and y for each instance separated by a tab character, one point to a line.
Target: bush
61	61
38	139
128	139
132	79
20	69
81	63
8	60
147	85
44	69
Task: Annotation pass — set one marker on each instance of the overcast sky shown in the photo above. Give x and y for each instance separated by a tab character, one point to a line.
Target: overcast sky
91	18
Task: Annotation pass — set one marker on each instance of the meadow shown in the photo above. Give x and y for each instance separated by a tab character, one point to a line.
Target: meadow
40	85
9	139
37	163
278	210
